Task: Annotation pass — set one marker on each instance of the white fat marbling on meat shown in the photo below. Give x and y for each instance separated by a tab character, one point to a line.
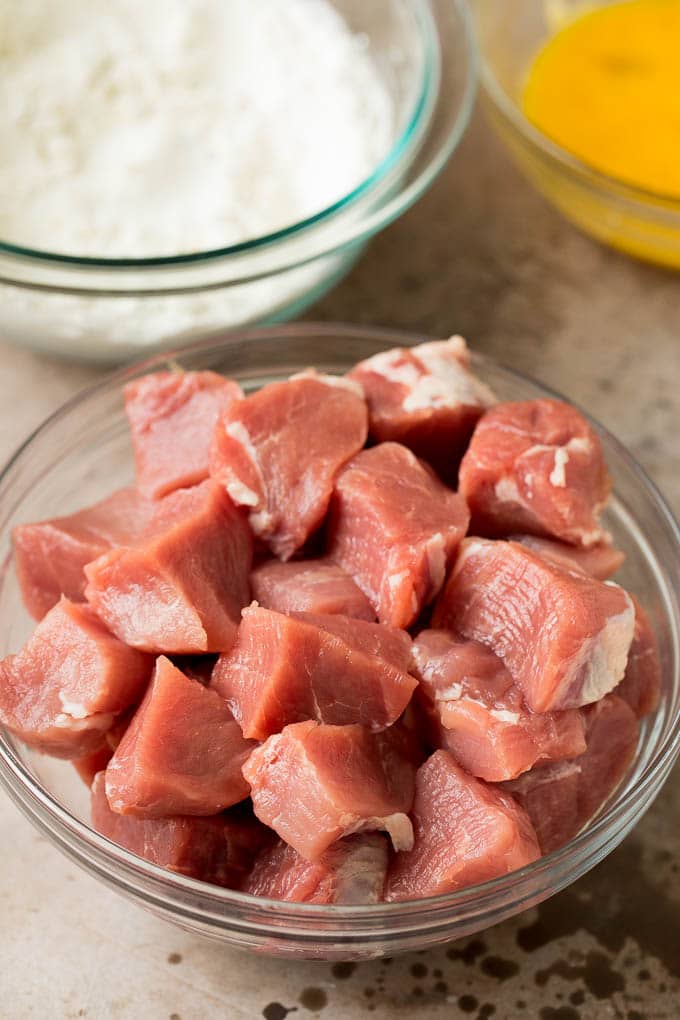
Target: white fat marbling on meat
506	490
602	661
453	692
558	475
73	708
500	714
504	716
242	494
398	827
446	381
338	381
394	581
98	721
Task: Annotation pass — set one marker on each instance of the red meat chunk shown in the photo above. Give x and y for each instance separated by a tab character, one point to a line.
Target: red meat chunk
601	561
50	556
641	684
349	872
219	849
563	636
561	797
172	419
308	586
277	452
182	753
535	466
395	528
426	398
465	832
478	712
181	586
285	669
62	691
314	784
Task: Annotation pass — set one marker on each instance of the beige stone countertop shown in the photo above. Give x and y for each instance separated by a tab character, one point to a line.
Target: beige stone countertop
483	255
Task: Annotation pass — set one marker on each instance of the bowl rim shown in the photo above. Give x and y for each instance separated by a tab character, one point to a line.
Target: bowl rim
13	771
401	148
556	153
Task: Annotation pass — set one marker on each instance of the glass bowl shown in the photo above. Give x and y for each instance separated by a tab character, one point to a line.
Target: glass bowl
83	452
109	310
635	221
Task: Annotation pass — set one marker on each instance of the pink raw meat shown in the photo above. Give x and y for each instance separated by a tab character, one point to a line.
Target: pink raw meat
426	398
50	556
563	636
314	784
313	586
349	872
466	832
395	528
561	797
535	466
641	684
601	561
172	419
63	690
181	586
182	753
277	452
478	713
218	849
285	669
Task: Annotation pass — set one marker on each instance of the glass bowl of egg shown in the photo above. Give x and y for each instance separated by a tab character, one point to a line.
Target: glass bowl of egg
171	170
584	95
83	452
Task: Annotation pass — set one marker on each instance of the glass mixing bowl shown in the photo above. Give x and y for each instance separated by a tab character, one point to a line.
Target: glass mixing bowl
111	309
83	452
636	221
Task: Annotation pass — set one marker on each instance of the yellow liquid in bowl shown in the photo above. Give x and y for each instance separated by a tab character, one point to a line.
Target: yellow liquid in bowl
606	88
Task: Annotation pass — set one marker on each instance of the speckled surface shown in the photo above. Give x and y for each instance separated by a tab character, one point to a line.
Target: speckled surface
485	256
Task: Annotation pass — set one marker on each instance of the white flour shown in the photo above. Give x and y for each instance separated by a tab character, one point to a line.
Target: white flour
133	128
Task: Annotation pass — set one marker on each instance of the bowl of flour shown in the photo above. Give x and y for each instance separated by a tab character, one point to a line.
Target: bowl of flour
179	167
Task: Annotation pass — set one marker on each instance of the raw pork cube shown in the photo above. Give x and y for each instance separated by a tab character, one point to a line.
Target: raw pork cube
426	398
395	528
181	586
172	419
220	849
50	556
285	669
465	832
478	712
641	684
308	586
182	753
600	561
535	466
62	691
314	784
561	797
351	871
563	635
277	452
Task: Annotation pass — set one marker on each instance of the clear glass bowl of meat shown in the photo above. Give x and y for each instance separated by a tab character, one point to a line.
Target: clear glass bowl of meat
83	452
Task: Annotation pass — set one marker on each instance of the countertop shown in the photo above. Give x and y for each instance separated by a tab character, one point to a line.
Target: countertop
485	256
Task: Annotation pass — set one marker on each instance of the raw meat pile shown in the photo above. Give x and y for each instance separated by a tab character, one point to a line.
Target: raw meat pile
294	661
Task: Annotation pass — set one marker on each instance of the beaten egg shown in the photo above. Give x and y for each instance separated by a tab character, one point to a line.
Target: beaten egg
607	88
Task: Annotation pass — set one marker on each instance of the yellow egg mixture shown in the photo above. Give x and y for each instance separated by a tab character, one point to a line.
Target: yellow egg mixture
607	88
